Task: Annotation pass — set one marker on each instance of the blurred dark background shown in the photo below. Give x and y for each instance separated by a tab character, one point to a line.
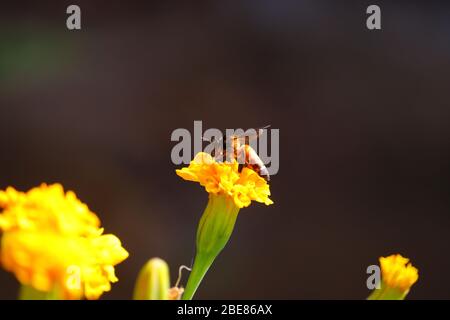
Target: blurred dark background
363	116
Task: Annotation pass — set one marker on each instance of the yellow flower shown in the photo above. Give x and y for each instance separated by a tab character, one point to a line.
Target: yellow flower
229	190
225	179
52	241
397	273
397	277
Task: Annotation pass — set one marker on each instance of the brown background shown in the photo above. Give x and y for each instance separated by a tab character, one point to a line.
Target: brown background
363	119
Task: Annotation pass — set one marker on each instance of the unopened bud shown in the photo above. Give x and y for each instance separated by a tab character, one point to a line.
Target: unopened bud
153	282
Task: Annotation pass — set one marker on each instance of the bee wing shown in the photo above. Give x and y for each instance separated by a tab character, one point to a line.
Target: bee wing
265	127
251	134
209	140
245	138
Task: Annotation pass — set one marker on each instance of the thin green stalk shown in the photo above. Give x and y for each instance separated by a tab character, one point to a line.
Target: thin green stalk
214	231
387	293
29	293
199	269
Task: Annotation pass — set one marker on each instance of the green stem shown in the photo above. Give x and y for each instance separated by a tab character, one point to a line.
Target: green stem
214	231
29	293
199	269
387	293
375	295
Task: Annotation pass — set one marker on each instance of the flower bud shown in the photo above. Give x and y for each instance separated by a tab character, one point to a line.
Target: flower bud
153	282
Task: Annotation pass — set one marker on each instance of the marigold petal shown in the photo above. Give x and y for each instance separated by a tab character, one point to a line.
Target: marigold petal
225	178
187	174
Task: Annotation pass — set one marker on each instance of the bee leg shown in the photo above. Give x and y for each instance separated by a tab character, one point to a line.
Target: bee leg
261	171
264	173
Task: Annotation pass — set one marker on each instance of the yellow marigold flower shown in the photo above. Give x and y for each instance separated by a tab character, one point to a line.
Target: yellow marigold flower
397	277
398	273
229	191
47	208
52	241
225	179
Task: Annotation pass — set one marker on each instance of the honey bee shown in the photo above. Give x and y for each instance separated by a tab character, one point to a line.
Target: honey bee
237	147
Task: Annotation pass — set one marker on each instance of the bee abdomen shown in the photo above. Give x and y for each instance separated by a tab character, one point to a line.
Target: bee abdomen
254	162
